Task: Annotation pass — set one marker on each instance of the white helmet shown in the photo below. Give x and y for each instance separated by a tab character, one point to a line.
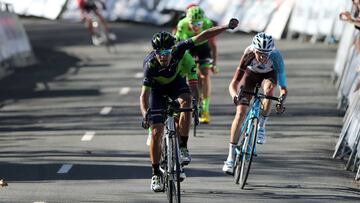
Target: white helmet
263	42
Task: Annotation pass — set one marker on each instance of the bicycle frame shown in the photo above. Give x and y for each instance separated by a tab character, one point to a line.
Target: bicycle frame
247	143
170	151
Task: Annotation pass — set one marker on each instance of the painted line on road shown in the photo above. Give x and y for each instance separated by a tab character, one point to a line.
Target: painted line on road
39	202
124	90
65	168
88	136
106	110
139	75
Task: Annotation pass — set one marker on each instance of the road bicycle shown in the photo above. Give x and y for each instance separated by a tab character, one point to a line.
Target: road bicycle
170	166
101	36
246	148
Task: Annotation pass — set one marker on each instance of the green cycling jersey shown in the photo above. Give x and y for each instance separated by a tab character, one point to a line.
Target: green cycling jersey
183	30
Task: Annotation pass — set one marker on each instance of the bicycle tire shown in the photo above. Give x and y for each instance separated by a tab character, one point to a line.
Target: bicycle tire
163	165
247	158
237	165
194	129
173	181
177	191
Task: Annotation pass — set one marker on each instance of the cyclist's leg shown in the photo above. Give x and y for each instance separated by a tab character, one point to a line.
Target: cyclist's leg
248	81
180	90
157	125
205	65
185	118
268	85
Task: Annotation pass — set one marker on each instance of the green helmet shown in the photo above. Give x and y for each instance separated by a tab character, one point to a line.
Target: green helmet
195	14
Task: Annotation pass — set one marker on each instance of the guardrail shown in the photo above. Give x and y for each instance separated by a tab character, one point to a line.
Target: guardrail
347	80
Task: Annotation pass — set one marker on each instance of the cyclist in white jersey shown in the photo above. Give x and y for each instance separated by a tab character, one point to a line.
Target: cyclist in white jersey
262	64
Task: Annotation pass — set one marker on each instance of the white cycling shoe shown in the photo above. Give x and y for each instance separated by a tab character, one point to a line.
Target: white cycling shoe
156	184
228	167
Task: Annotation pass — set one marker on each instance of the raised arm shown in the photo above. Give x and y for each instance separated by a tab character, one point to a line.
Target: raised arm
212	32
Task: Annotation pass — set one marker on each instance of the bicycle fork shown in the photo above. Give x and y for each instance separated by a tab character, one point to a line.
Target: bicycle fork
246	145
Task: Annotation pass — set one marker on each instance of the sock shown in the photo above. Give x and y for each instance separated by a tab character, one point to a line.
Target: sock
206	104
262	121
183	141
155	169
232	152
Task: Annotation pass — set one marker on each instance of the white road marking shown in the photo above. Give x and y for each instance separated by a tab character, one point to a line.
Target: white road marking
65	168
124	90
88	136
39	202
139	75
106	110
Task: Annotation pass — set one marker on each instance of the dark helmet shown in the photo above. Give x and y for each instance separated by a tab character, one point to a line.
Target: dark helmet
163	40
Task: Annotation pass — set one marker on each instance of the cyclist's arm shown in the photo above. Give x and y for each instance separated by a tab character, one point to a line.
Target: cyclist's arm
279	66
212	32
147	84
144	99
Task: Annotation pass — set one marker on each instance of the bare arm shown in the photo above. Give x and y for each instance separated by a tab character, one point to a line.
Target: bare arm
212	32
144	100
346	16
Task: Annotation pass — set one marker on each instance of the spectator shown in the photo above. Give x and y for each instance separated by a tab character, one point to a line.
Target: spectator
354	18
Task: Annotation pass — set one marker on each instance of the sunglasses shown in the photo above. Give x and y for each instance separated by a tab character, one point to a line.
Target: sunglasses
163	52
197	24
265	54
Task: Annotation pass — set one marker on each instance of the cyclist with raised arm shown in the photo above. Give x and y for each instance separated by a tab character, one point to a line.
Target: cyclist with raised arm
87	6
162	77
261	63
205	52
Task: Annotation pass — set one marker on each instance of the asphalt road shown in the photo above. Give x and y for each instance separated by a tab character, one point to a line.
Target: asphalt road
70	126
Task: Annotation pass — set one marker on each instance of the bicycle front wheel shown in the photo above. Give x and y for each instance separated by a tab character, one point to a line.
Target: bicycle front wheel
247	152
173	190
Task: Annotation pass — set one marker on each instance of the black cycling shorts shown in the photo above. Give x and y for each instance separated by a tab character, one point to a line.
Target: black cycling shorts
172	90
203	54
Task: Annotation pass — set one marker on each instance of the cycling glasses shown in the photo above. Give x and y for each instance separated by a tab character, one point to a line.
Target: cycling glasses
262	53
197	24
163	52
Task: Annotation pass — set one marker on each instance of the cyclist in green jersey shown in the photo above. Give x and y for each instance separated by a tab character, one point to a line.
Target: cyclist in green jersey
205	52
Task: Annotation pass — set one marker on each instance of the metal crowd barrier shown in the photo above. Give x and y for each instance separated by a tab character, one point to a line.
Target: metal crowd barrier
15	48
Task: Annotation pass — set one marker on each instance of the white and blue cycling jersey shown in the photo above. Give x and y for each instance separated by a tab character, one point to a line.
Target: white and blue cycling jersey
275	62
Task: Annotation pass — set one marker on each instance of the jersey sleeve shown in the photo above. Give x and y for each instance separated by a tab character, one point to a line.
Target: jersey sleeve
279	67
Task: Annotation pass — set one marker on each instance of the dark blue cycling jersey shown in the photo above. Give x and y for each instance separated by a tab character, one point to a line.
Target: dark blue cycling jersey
155	74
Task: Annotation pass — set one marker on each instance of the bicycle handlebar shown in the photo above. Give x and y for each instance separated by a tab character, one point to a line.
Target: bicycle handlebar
258	94
280	108
173	106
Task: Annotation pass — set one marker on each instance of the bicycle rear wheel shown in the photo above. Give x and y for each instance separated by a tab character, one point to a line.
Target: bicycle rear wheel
247	151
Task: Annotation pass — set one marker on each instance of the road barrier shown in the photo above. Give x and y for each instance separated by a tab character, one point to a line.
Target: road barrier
15	49
347	80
